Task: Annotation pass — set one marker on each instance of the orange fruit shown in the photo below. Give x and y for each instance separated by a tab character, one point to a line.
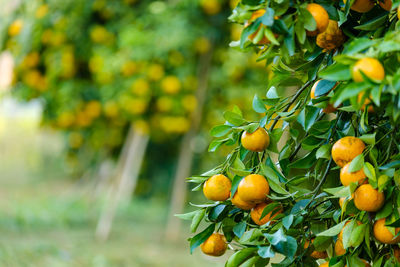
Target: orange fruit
316	254
253	188
256	14
238	202
371	68
329	108
347	177
332	37
215	245
339	249
386	4
217	187
325	264
257	211
320	16
361	6
368	199
346	149
257	141
398	12
382	233
366	102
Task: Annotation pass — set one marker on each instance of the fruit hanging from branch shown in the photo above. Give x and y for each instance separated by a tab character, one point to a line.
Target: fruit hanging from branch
316	178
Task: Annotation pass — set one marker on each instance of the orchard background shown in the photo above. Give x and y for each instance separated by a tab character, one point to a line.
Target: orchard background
108	106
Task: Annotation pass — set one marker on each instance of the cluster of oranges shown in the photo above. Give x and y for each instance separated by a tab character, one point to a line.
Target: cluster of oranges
251	194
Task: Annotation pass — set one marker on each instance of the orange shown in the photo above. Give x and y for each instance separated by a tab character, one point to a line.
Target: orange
253	188
215	245
371	68
368	199
382	233
386	4
316	254
257	211
329	108
217	188
257	141
256	14
346	149
339	249
347	177
366	102
361	6
238	202
332	37
398	12
320	16
325	264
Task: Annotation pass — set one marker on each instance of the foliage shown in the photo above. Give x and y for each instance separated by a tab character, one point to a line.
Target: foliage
298	164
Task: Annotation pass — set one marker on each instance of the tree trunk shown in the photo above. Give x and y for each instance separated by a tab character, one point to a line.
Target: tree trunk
185	159
126	178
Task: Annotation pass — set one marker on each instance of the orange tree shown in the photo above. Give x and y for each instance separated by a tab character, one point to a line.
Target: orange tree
100	66
315	179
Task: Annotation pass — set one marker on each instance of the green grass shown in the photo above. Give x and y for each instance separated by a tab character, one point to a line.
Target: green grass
48	220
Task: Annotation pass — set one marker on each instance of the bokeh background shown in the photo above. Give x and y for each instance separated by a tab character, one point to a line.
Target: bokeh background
105	109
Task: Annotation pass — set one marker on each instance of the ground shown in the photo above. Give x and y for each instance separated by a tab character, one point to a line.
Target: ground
47	219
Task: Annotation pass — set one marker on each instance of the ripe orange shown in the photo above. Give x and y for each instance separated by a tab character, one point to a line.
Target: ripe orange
257	141
346	149
256	14
361	6
238	202
316	254
332	37
321	18
257	211
368	199
366	102
386	4
253	188
339	249
325	264
217	188
215	245
329	108
371	67
382	233
347	177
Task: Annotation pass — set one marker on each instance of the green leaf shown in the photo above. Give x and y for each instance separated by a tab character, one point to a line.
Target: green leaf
268	18
324	152
309	22
266	252
349	91
358	45
287	221
235	184
368	138
308	116
357	235
220	130
323	87
199	239
304	163
240	256
385	211
273	180
270	36
287	248
383	180
372	24
197	219
369	171
239	229
336	72
333	231
233	118
187	216
357	163
258	105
